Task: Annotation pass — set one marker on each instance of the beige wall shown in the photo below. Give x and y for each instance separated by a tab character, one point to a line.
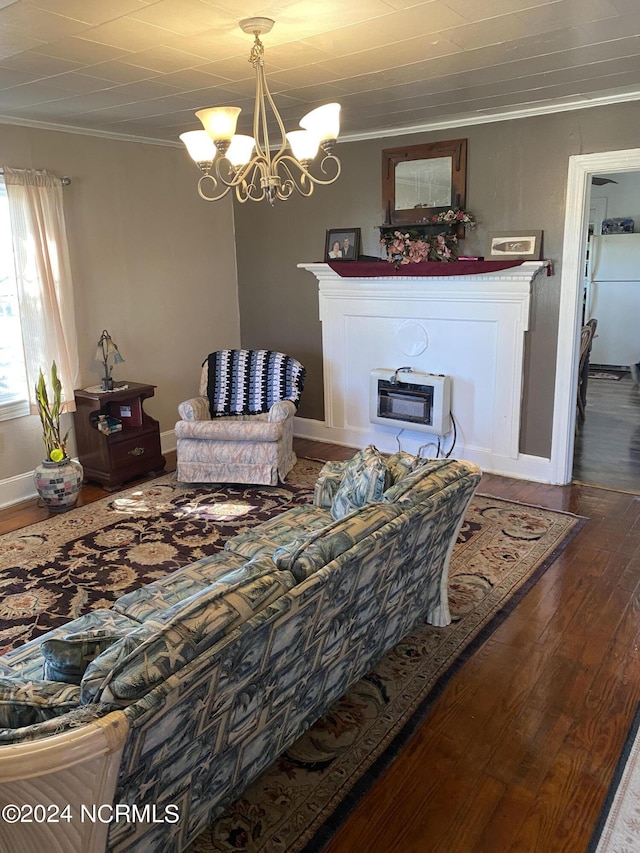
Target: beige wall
151	262
516	178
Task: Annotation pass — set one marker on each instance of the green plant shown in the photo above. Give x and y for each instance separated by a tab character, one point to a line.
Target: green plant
50	415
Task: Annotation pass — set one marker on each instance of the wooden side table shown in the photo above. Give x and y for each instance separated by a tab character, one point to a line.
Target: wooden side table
112	459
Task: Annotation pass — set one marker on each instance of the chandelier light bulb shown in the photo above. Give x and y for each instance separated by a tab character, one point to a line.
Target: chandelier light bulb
303	144
220	123
200	147
240	150
323	122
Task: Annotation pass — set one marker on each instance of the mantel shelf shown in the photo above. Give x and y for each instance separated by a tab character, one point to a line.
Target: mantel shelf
525	270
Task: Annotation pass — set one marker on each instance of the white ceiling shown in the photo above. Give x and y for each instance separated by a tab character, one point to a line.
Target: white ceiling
141	67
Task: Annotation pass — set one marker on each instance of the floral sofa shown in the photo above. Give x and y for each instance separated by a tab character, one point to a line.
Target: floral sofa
131	729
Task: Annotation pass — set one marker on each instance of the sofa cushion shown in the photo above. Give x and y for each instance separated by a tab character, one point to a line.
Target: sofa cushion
27	661
328	483
25	702
66	658
306	554
365	479
401	463
261	541
429	478
164	644
141	604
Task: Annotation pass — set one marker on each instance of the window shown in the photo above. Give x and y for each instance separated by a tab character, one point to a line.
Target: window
37	325
13	376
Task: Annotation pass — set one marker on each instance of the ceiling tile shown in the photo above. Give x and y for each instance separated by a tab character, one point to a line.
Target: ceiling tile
76	83
494	8
212	45
82	51
483	33
612	28
127	34
119	71
91	12
38	23
12	42
10	77
164	59
39	65
566	14
33	93
192	78
184	17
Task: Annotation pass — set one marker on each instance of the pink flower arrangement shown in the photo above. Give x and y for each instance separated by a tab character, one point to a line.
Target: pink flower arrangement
454	217
412	247
408	248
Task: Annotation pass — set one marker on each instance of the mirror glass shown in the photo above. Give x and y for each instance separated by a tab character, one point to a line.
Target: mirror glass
423	183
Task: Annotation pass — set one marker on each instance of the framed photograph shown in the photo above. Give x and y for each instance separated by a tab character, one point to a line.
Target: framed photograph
342	244
514	246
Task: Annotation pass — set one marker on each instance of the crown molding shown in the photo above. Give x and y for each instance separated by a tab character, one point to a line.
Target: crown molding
84	131
463	120
470	119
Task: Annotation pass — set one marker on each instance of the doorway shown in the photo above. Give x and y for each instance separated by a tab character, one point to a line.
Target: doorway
581	169
607	442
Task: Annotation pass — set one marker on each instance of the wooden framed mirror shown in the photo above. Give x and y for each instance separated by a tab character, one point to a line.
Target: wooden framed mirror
419	181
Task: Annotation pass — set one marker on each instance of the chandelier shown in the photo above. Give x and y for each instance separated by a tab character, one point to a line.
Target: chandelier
249	164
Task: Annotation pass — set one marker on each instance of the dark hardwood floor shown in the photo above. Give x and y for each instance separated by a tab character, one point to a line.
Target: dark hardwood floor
517	753
607	448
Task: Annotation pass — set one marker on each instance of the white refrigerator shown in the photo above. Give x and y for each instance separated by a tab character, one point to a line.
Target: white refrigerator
613	298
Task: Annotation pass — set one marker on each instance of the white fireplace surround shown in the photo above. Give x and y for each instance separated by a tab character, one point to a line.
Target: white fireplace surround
469	327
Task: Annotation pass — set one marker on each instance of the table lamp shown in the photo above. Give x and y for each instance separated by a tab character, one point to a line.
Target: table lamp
109	354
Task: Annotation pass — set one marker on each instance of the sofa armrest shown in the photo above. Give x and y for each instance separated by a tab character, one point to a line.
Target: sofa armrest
195	409
230	429
327	484
281	410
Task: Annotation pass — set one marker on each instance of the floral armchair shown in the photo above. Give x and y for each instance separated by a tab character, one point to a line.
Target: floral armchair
240	428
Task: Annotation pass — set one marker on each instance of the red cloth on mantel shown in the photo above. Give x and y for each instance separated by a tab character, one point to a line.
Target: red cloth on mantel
384	269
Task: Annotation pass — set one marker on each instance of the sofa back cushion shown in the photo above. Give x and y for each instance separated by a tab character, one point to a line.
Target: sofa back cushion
66	658
425	480
305	555
402	463
25	703
164	644
147	601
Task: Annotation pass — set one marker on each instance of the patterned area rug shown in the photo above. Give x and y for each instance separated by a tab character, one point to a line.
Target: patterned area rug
618	829
55	570
615	375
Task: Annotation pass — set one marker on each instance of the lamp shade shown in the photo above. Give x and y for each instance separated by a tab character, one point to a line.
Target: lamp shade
304	144
323	122
219	122
199	145
241	149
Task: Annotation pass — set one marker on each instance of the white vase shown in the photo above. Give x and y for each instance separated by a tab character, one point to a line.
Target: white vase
59	483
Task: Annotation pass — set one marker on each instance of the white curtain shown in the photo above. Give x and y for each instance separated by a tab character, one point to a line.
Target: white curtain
43	277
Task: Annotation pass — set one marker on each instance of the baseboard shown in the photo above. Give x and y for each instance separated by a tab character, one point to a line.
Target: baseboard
20	488
524	467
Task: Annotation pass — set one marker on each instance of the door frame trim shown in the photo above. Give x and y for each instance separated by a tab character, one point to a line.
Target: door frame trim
581	168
